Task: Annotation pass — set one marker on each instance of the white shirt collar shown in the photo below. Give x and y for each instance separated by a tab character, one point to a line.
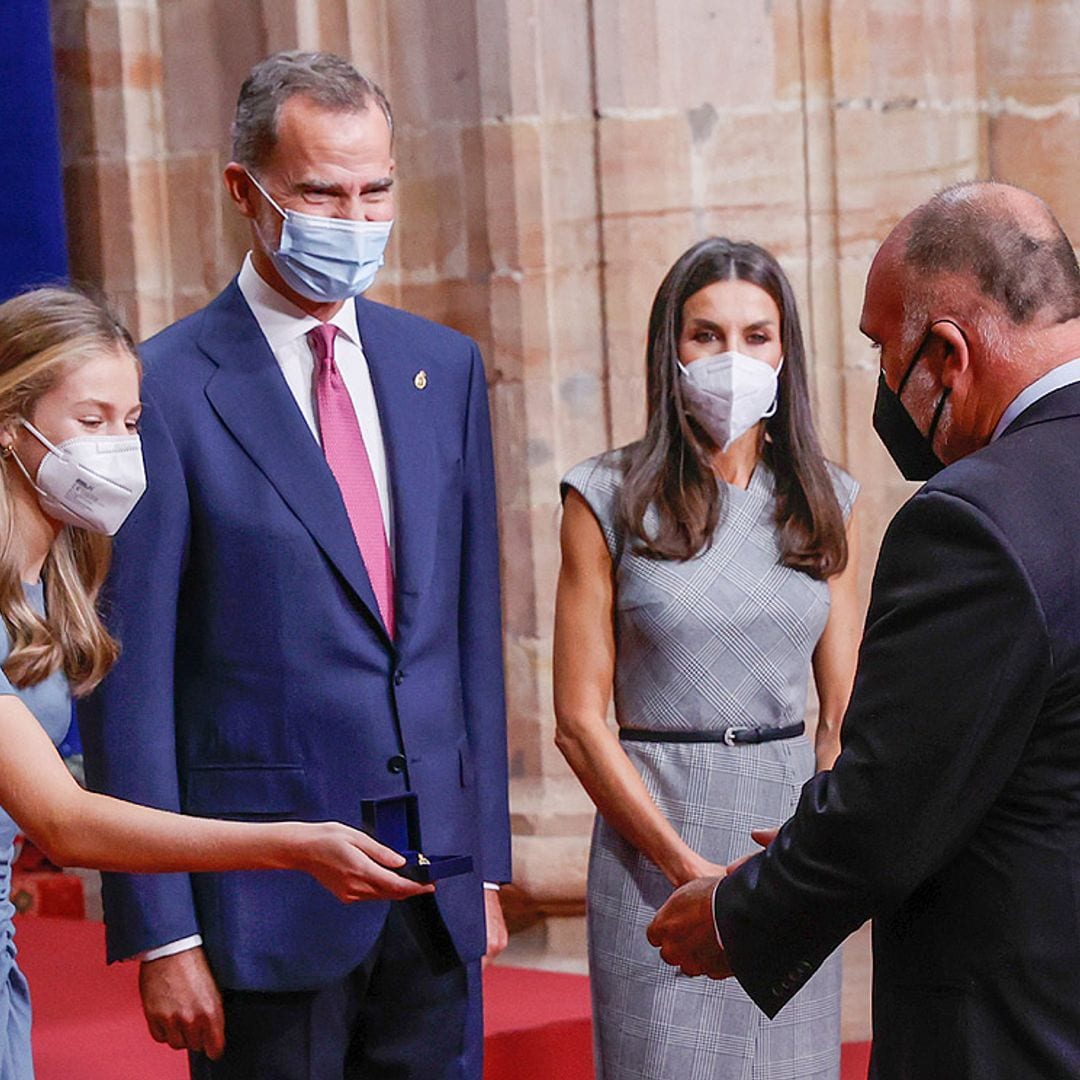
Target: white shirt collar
280	320
1063	375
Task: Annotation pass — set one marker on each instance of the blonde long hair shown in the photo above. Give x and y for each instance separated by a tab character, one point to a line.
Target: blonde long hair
45	334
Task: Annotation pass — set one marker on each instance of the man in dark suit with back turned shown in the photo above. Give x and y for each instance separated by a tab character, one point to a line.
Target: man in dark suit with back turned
308	601
952	816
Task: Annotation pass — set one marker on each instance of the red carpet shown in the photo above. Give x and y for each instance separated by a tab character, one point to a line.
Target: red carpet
536	1025
87	1022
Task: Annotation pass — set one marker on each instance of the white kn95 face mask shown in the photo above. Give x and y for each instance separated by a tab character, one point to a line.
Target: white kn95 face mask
93	481
729	393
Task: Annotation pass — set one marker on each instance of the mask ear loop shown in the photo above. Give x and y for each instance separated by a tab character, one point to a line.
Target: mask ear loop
771	411
944	394
266	195
41	439
937	417
9	452
270	199
681	373
916	357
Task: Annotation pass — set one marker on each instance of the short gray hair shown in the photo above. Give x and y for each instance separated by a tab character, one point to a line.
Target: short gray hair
328	80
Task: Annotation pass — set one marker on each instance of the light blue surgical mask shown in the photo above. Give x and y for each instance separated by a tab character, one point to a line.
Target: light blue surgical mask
327	259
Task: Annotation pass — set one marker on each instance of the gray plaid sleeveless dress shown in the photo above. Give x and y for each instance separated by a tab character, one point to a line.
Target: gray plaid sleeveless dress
722	639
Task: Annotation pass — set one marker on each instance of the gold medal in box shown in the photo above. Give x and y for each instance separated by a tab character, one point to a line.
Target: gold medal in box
395	822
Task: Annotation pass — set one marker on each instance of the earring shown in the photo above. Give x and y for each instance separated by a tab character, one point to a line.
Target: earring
7	451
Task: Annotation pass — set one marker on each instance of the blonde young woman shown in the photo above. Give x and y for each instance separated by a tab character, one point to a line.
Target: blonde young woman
70	471
707	571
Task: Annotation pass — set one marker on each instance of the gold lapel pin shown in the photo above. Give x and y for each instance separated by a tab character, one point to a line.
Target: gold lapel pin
420	380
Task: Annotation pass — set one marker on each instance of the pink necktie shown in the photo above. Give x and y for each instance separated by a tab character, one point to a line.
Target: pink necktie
343	445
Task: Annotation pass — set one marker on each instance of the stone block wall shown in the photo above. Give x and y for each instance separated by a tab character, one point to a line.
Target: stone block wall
554	157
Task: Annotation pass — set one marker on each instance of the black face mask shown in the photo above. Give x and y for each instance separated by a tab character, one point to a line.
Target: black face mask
911	450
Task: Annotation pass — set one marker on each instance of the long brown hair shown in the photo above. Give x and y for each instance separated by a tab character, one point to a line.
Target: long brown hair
44	334
670	470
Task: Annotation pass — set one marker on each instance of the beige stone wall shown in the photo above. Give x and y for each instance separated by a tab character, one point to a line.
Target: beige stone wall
555	156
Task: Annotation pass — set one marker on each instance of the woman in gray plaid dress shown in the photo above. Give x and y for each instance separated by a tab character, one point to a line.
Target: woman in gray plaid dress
707	569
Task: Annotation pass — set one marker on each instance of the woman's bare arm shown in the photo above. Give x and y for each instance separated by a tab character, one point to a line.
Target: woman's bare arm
837	652
74	827
584	671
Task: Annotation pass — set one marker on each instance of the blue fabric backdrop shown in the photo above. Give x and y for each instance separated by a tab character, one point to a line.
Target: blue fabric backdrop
32	242
33	247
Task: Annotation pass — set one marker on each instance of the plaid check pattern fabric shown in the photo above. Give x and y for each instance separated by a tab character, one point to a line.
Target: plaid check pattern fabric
347	456
724	638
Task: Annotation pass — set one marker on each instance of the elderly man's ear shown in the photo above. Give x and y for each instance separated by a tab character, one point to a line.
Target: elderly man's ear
947	353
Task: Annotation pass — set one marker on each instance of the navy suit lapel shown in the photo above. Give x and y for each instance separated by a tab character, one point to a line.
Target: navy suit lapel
249	393
407	427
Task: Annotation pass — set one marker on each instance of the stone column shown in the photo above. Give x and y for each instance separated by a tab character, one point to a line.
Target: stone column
1029	79
109	83
548	373
905	122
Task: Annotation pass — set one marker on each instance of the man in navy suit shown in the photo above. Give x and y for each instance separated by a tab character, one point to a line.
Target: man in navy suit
952	816
308	601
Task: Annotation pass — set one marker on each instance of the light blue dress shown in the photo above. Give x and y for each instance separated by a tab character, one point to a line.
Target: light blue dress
50	702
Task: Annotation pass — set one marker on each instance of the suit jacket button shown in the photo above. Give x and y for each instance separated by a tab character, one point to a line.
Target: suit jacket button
396	764
399	677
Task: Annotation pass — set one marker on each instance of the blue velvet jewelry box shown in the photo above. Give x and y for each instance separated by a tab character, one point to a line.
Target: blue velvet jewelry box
395	822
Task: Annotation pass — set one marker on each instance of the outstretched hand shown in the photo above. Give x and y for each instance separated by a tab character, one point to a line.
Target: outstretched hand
684	932
764	837
353	866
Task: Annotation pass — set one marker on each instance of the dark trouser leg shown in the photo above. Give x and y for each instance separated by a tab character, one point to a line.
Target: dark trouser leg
283	1036
416	1010
410	1012
473	1058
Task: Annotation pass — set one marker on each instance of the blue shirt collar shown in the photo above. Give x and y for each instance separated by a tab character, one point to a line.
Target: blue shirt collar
1063	375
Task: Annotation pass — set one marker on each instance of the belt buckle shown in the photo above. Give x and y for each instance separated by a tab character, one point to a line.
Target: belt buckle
729	736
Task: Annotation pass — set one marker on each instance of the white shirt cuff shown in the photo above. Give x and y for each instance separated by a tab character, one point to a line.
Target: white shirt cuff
716	929
195	940
171	949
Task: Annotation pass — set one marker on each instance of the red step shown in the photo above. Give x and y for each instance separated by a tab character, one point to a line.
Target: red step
87	1020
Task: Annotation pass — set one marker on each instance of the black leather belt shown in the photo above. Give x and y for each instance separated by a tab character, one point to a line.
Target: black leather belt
729	735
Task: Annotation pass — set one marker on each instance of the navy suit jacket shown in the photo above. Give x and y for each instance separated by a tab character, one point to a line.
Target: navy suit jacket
952	816
257	680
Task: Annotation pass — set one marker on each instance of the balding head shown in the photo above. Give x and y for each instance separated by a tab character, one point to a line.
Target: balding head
1004	241
977	294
